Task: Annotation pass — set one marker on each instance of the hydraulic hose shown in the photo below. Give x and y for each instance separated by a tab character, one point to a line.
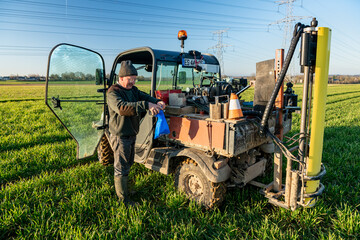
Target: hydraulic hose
252	113
296	36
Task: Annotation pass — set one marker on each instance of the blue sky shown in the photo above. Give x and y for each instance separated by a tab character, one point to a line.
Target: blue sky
30	28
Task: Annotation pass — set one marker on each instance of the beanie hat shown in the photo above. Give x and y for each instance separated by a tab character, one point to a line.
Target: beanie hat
127	69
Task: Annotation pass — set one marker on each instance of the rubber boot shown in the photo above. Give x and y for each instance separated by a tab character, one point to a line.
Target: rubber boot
122	191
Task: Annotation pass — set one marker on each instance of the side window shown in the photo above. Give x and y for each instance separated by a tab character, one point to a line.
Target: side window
197	77
165	75
185	77
208	78
143	80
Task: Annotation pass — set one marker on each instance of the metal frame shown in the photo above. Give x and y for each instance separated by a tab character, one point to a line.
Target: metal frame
46	92
298	178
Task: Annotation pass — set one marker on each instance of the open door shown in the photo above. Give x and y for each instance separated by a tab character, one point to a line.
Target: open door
75	93
143	61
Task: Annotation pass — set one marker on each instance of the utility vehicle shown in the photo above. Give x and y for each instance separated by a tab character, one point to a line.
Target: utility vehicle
205	151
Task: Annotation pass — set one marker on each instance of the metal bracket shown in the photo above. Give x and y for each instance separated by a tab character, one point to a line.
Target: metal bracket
317	177
56	102
317	193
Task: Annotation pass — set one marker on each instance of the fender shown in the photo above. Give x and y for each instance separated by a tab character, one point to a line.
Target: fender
205	163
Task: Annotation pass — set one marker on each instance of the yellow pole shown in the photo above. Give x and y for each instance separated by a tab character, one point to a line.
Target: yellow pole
318	113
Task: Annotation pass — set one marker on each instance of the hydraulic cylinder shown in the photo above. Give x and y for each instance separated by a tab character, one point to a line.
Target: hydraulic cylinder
318	113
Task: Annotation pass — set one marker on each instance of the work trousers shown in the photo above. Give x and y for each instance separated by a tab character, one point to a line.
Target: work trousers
124	153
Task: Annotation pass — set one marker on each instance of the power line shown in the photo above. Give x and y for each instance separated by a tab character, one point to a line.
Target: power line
341	50
182	11
85	34
96	34
235	6
42	48
99	29
335	29
242	55
54	5
343	59
249	43
117	21
288	21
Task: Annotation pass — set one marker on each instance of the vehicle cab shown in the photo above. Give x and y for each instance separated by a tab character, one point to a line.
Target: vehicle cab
76	87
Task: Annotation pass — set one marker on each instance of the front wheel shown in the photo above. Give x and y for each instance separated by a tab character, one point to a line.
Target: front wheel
105	153
190	179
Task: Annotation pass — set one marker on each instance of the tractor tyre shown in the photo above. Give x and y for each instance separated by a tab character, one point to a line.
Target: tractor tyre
191	180
105	153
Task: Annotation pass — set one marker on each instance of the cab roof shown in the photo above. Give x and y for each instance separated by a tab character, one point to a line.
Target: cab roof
147	55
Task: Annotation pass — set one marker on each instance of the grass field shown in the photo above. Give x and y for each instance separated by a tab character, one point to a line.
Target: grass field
46	193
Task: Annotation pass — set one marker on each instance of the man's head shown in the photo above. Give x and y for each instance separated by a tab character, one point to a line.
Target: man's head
127	74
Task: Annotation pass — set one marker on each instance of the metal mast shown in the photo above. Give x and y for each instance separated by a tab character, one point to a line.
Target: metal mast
220	47
288	23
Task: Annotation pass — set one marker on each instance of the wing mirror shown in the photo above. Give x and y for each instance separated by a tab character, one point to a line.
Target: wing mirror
99	76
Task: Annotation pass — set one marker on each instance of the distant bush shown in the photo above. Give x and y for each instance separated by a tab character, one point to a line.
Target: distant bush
344	79
71	76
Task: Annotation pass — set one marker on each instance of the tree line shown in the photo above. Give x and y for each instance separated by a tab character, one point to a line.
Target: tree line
344	79
333	79
79	76
72	76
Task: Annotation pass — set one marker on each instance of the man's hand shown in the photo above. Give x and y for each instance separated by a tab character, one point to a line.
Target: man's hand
161	104
154	108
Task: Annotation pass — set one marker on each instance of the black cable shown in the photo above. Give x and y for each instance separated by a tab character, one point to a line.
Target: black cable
296	36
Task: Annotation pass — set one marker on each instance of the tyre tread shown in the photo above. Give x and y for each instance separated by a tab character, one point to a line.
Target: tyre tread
217	190
105	153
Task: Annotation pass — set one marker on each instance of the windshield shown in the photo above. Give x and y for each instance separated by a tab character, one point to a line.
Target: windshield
171	75
165	75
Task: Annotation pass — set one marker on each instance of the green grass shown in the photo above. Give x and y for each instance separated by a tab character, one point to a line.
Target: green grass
47	194
20	82
17	82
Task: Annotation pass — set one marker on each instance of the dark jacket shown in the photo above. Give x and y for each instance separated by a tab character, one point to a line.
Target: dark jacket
126	108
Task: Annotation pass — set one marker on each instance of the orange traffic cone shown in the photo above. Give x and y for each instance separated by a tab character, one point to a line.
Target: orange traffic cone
234	107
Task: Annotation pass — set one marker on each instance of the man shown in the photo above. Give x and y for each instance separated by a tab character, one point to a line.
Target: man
127	104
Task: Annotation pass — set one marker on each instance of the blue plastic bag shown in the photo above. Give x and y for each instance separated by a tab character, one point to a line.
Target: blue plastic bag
161	127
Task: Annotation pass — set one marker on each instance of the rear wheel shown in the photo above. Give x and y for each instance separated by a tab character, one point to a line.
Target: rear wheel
105	153
190	179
